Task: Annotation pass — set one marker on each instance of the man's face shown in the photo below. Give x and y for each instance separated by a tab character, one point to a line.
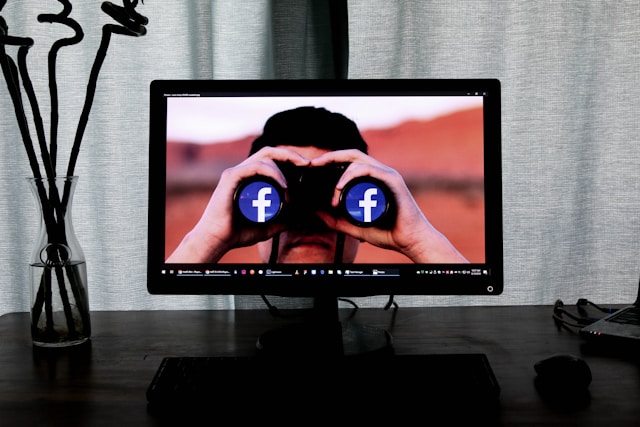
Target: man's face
311	245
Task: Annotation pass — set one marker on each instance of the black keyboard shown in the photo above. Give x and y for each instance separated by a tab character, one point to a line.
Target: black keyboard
457	380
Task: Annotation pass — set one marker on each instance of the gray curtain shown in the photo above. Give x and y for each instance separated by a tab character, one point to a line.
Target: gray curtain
570	74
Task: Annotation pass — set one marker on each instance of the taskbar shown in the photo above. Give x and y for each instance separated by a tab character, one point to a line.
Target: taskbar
296	271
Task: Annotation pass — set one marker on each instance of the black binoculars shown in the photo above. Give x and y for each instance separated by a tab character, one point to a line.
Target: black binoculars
365	201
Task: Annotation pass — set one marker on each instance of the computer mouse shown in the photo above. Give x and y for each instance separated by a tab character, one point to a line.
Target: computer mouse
564	375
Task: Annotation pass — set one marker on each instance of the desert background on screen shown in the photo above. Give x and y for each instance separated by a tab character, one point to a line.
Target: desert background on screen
440	156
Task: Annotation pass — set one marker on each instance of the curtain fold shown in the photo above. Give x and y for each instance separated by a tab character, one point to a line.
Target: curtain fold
309	39
283	39
339	20
570	75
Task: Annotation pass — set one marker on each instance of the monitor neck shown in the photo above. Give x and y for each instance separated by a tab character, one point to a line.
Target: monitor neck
322	334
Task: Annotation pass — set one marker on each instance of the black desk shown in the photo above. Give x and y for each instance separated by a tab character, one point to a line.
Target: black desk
105	383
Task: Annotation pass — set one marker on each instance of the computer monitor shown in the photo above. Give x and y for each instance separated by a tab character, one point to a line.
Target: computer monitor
325	189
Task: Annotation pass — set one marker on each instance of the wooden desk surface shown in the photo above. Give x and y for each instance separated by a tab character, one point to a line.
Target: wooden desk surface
105	382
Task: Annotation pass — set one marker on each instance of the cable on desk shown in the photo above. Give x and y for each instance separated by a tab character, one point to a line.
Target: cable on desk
583	302
574	321
273	310
390	303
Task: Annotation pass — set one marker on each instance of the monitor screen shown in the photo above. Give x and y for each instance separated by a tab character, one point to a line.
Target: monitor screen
325	187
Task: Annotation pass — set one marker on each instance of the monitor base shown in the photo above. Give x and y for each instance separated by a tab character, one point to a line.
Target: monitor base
313	340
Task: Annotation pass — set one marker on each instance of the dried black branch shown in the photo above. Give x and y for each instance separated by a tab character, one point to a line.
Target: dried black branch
61	18
10	72
35	108
127	16
53	208
133	24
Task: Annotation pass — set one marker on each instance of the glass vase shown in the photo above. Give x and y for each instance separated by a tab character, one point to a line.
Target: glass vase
59	298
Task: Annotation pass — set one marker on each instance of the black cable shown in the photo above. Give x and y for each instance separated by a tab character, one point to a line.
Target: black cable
391	302
337	257
275	243
273	310
576	321
349	301
273	257
582	302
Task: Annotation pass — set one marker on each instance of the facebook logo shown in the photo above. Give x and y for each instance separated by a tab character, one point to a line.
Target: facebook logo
259	201
365	202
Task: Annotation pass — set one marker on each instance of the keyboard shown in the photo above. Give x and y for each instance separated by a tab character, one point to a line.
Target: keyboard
459	380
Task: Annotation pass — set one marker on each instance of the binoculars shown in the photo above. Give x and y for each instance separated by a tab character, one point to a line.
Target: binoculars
365	201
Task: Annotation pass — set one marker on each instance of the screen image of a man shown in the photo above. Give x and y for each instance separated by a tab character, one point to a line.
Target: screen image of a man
304	151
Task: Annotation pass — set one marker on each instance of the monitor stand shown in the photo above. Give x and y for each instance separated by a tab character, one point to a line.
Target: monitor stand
323	334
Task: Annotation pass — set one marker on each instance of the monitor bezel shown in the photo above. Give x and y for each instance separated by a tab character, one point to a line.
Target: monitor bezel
159	282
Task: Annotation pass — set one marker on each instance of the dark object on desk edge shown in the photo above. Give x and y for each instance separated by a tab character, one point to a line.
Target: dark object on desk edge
563	379
436	381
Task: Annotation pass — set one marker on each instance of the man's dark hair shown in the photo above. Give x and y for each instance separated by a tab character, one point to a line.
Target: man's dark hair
310	126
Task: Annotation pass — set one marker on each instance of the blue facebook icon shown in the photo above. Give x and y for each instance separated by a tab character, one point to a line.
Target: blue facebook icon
365	202
259	201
